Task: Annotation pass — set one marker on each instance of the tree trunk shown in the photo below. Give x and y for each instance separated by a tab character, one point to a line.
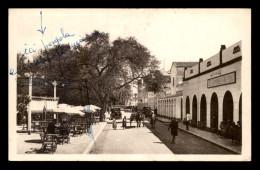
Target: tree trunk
102	112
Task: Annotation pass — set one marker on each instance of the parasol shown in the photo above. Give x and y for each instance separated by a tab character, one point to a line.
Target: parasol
65	108
91	108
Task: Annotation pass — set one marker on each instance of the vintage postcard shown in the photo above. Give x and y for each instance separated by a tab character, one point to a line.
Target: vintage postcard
129	84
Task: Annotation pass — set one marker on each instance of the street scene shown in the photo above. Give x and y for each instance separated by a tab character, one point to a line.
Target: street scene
147	82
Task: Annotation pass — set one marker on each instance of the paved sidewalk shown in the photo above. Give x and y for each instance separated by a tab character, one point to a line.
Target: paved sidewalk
29	144
208	136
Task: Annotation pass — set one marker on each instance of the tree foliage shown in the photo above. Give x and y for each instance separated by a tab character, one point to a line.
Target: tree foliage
154	81
95	72
22	103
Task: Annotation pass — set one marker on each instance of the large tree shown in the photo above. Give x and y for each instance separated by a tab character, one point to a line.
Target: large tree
110	68
94	72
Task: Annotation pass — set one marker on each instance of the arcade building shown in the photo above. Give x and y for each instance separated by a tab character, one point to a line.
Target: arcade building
212	88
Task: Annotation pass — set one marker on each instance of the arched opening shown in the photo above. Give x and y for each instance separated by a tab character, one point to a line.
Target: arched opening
181	110
194	108
214	111
240	108
228	107
203	111
187	105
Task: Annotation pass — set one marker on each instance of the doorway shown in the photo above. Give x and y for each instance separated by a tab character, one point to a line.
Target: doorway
214	111
228	107
203	110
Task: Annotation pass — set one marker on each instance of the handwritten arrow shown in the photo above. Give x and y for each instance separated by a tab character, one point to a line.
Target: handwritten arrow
42	30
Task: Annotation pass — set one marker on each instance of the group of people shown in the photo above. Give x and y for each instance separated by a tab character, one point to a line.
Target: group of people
231	130
64	127
114	123
139	117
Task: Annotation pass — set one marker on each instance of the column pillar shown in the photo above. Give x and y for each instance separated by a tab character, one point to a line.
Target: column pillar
220	110
30	105
54	84
198	109
236	111
208	113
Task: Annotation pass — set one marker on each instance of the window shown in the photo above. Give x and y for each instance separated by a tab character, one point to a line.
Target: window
236	49
208	63
168	79
191	71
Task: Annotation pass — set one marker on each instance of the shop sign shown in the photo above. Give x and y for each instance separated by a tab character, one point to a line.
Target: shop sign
222	80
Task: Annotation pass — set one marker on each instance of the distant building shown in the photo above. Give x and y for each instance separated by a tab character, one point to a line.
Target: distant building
212	89
149	99
170	105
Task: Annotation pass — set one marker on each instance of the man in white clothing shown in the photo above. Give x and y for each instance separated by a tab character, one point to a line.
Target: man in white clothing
187	121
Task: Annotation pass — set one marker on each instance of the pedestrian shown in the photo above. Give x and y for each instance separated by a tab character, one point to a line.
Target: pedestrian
227	134
232	132
23	121
155	111
222	128
239	132
137	117
114	124
174	129
187	121
153	120
143	118
124	122
131	119
51	127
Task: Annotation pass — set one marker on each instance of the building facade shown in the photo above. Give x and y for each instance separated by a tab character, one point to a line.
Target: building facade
170	105
149	99
212	88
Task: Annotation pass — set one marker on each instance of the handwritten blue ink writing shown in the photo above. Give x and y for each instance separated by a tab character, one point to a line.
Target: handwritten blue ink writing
81	40
41	30
30	50
12	71
90	133
58	39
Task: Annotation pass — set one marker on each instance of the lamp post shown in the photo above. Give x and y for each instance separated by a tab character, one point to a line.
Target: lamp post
54	84
29	124
153	92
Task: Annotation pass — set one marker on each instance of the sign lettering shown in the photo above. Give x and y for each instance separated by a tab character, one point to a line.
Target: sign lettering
222	80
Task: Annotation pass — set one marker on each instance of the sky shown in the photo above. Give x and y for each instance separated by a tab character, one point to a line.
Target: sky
169	34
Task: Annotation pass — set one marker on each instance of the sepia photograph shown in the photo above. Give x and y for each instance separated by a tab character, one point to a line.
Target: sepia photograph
129	84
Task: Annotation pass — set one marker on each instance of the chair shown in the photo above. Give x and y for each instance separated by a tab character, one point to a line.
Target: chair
64	136
77	130
49	142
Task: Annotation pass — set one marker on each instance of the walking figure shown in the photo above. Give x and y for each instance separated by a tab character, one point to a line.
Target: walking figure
131	119
124	122
174	129
143	118
153	121
114	124
187	121
138	119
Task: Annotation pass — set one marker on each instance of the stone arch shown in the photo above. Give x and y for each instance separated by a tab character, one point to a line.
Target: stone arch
187	105
214	111
203	109
228	107
194	108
